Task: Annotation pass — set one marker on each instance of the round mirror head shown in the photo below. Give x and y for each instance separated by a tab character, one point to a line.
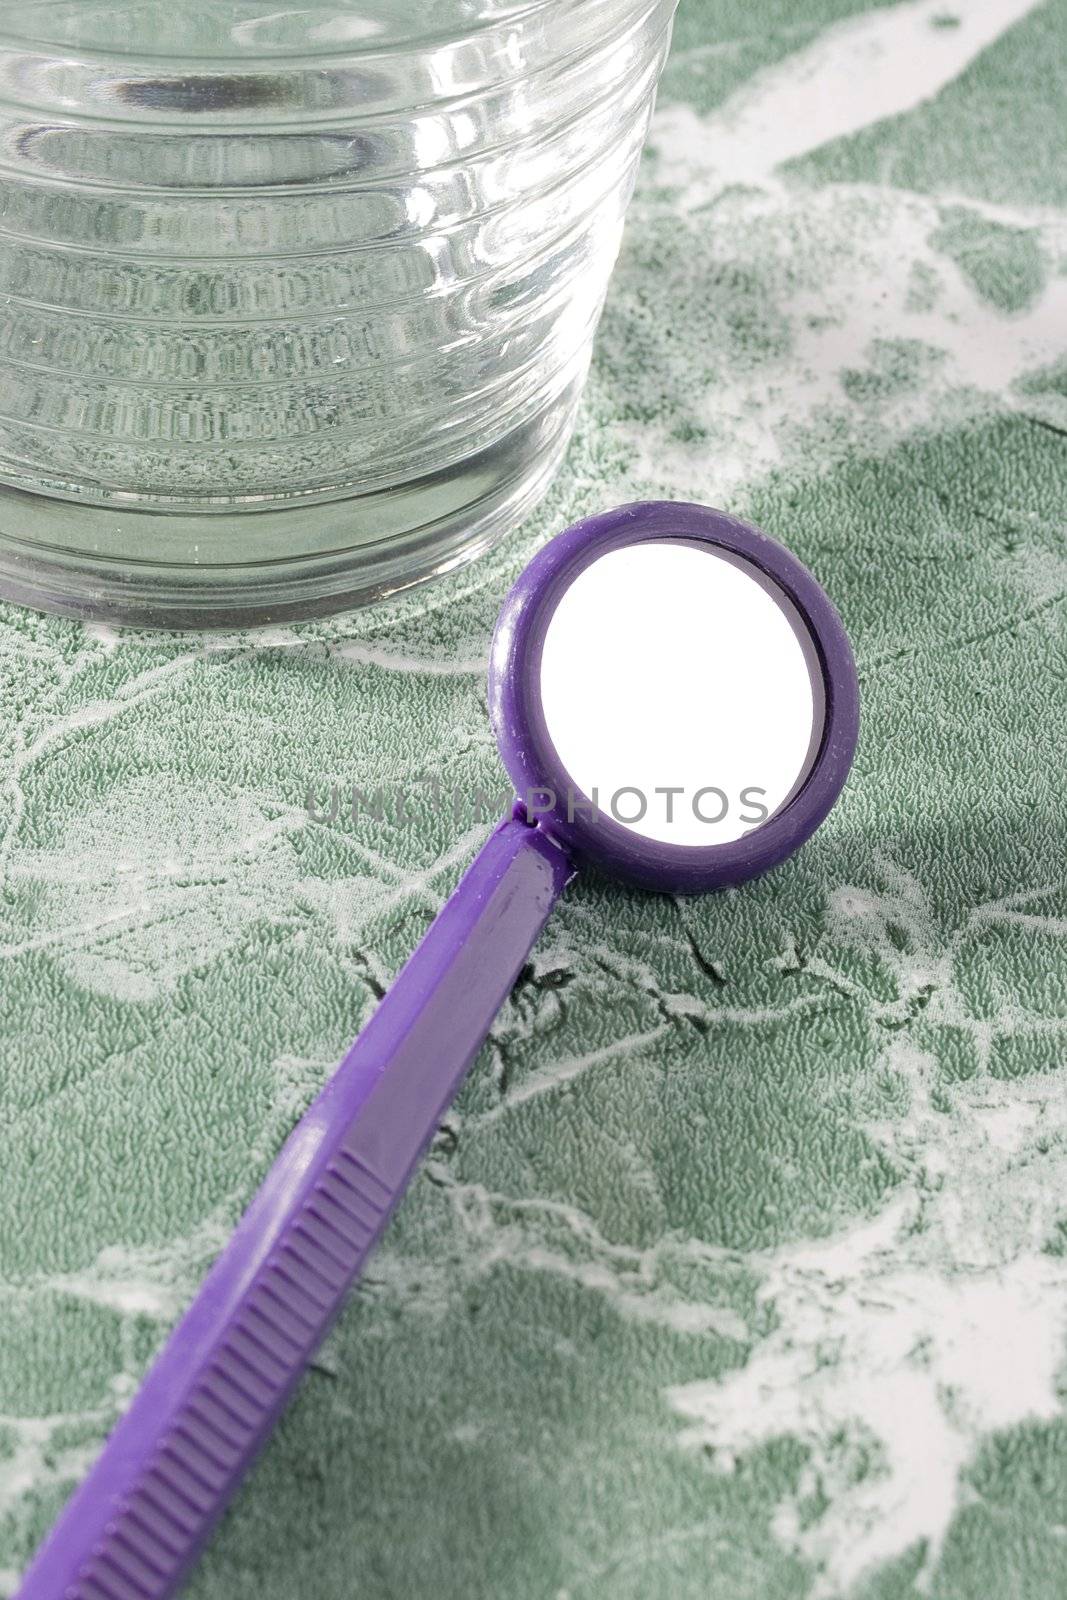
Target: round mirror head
674	696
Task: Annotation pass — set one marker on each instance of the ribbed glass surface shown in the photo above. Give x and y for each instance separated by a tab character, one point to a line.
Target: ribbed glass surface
256	258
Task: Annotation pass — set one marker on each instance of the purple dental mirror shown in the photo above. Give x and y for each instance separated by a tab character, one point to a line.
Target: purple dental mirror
675	702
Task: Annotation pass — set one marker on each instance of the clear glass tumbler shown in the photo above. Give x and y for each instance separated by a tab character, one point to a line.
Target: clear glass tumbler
297	300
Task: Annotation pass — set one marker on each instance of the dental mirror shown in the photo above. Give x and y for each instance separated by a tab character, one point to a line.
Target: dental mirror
676	703
674	696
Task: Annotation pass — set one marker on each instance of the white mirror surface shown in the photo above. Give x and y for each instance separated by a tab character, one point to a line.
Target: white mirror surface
677	667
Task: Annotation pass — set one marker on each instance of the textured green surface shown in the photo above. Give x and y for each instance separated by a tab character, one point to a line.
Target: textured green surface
741	1267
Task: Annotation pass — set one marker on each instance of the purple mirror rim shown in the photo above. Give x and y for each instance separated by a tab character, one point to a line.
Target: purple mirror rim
530	757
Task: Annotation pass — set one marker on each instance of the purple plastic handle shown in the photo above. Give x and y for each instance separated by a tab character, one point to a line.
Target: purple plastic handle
134	1527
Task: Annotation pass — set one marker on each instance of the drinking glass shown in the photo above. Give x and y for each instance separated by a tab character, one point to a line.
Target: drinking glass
297	300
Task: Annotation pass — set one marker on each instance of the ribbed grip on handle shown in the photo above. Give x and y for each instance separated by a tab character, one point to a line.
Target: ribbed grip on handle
136	1524
231	1407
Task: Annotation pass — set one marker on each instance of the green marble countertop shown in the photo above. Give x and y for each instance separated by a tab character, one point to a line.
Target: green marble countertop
740	1268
